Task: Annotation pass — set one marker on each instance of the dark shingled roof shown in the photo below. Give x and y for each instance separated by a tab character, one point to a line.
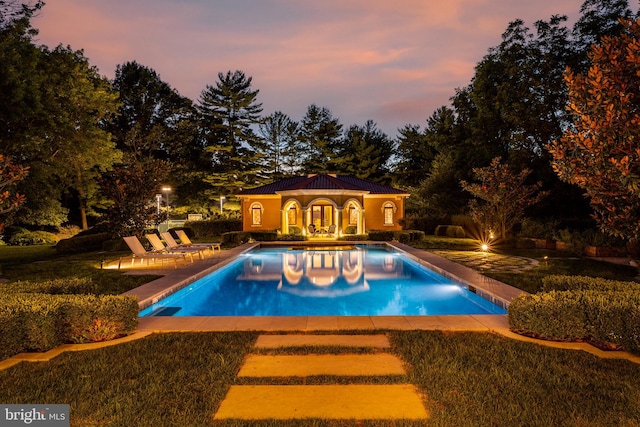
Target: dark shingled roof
322	182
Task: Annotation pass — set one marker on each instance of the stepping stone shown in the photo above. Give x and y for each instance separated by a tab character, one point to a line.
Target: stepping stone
362	402
276	341
323	364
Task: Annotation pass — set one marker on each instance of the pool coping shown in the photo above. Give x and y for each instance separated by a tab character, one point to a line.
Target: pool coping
174	280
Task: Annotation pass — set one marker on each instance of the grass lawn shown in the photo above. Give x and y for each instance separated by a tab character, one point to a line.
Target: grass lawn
557	262
468	379
40	263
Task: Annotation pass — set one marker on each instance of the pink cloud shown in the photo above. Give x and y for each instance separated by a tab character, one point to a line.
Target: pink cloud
389	61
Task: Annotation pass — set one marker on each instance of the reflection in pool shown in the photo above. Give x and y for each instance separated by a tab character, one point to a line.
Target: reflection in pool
328	282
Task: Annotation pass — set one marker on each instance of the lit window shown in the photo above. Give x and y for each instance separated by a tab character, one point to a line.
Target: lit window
353	215
293	215
388	214
256	215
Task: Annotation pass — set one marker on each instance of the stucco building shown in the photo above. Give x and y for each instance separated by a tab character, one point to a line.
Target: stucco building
334	204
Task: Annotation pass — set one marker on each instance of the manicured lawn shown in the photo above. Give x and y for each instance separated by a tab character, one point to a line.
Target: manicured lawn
40	263
468	379
556	262
531	280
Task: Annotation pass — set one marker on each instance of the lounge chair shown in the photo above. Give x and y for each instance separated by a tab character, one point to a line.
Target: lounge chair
158	246
332	229
138	251
172	245
312	229
186	242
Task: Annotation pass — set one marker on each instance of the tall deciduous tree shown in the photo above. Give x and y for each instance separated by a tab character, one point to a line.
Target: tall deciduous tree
10	175
155	121
504	196
131	187
86	150
229	112
52	105
600	152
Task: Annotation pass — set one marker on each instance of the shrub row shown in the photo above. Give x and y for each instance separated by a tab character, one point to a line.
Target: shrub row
17	236
355	237
407	236
450	231
383	236
71	285
596	316
584	283
81	244
211	228
291	237
238	237
351	229
40	322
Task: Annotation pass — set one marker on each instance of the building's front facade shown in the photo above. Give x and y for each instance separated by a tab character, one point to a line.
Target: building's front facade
342	204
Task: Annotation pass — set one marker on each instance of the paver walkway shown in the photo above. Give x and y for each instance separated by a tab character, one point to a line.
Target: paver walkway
341	399
488	261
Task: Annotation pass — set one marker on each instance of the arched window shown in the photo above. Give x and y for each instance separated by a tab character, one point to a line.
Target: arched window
389	209
292	215
353	215
256	214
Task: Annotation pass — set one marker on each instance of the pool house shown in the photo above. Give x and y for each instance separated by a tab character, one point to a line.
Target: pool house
325	205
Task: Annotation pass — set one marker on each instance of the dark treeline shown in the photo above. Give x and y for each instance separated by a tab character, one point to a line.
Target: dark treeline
99	148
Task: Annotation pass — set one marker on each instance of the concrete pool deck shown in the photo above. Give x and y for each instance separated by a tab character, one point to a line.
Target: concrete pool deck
498	292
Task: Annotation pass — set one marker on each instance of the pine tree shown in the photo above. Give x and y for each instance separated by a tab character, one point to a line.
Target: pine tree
228	111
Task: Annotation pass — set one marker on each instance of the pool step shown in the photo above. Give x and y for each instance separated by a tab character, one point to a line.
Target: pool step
341	400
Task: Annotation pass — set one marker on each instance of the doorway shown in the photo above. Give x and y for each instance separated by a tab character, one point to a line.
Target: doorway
322	216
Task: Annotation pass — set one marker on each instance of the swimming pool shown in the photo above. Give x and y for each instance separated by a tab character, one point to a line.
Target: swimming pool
348	281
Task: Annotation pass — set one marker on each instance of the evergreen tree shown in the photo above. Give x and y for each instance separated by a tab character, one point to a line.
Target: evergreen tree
229	110
280	136
320	141
369	150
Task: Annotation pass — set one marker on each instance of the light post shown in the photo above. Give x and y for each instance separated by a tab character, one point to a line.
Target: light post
222	199
158	198
166	192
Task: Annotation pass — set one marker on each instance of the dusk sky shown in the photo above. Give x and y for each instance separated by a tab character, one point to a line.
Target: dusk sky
394	62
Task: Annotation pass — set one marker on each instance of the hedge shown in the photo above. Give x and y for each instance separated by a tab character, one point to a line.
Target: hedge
27	238
407	236
600	317
379	235
40	322
355	237
450	231
351	229
211	228
81	244
583	283
292	237
71	285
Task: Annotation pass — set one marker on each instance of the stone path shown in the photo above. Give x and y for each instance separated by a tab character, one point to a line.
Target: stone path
488	261
343	398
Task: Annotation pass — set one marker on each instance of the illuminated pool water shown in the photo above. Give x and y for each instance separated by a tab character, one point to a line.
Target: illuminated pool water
356	281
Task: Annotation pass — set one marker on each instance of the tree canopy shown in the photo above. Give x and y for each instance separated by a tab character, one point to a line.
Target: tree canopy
600	151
